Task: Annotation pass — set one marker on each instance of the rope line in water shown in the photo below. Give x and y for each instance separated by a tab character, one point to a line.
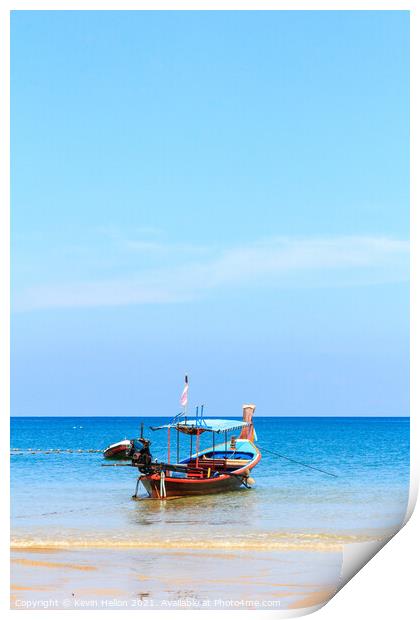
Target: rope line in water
297	462
52	451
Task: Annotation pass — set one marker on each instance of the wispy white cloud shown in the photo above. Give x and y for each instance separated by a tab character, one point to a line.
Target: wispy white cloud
144	239
267	264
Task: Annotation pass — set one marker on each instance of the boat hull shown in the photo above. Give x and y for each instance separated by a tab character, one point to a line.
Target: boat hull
118	451
184	487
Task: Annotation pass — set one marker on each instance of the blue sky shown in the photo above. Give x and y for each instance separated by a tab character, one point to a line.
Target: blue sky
222	193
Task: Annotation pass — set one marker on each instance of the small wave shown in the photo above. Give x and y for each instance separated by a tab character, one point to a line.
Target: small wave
266	542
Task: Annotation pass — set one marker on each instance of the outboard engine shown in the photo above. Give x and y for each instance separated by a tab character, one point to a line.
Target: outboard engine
140	455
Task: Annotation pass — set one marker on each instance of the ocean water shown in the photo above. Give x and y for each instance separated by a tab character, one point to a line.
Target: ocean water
69	499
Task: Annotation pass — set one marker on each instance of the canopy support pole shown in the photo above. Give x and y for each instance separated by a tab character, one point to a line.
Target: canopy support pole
169	444
197	447
177	446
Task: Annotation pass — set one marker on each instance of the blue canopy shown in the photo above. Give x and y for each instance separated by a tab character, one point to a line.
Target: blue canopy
202	424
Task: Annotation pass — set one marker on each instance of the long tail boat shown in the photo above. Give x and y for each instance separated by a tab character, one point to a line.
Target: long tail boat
222	466
120	450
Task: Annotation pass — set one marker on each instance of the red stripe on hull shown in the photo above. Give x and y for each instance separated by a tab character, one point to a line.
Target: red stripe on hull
116	453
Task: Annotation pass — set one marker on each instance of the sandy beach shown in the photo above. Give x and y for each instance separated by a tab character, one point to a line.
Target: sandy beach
168	579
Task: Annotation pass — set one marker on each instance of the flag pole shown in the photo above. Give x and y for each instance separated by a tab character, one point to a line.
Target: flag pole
185	407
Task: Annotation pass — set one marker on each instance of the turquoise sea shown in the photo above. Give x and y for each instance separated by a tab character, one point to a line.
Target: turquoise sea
68	499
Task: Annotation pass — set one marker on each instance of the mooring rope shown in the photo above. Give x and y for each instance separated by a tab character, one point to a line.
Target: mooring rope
297	462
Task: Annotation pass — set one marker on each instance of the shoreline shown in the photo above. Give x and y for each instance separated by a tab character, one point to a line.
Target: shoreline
263	542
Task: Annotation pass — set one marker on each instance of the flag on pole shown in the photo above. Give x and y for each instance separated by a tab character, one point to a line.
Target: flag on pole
184	395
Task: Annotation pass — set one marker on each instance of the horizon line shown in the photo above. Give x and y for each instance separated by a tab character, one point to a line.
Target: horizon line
214	416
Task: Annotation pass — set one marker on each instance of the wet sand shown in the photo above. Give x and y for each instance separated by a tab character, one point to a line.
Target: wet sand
169	579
